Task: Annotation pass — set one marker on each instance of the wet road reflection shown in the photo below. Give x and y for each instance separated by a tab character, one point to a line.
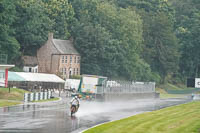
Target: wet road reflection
54	117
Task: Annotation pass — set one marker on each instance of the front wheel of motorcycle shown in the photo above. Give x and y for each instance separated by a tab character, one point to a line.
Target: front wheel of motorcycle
73	109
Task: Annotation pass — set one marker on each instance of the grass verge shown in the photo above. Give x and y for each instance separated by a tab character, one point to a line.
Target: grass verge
52	99
15	94
4	103
164	94
184	118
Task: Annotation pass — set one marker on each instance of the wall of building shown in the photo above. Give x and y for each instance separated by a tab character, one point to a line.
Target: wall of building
30	69
2	77
55	64
44	56
49	61
69	65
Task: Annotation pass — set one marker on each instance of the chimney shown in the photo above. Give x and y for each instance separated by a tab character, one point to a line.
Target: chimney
50	36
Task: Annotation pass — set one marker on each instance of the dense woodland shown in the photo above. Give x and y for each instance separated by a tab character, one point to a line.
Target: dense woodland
145	40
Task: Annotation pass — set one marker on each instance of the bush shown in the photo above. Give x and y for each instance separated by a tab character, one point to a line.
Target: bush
75	77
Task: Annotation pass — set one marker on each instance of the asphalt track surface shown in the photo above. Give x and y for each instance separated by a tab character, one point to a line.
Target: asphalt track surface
54	117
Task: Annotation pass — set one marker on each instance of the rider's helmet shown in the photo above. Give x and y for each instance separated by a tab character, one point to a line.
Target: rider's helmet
76	97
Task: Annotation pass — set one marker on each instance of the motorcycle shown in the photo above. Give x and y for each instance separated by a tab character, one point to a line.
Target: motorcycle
74	109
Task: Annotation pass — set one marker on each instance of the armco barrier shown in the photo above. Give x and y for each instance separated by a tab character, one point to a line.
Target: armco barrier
129	96
28	97
184	91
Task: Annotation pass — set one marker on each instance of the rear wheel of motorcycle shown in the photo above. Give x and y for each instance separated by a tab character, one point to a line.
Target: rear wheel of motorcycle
73	109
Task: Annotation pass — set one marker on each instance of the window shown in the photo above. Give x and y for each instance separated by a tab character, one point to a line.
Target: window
74	72
70	72
65	59
75	59
77	73
78	60
2	76
70	59
30	69
61	70
65	71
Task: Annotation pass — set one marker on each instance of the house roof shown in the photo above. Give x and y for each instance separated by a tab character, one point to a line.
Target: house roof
34	77
65	46
30	60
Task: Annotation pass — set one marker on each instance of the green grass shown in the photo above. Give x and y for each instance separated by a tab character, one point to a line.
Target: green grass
178	119
163	94
52	99
170	86
15	94
174	87
4	103
15	97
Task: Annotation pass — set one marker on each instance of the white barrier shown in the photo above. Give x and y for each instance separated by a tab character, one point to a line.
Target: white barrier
36	96
28	97
41	95
31	96
45	95
49	94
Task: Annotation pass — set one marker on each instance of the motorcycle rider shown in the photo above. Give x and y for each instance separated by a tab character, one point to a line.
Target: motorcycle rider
75	102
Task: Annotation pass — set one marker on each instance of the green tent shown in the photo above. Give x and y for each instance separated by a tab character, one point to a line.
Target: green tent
12	76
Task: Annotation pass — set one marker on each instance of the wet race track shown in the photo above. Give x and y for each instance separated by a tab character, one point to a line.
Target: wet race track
54	117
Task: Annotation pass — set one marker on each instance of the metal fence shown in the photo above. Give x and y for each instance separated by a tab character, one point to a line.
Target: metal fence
127	87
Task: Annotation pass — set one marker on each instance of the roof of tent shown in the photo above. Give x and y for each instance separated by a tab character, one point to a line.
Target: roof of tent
12	76
34	77
4	66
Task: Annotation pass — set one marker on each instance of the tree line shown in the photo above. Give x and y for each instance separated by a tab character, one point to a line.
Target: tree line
146	40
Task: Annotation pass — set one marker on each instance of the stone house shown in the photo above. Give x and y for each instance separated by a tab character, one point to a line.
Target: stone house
30	64
58	57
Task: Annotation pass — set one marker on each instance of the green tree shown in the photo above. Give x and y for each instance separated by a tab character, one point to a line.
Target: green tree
62	15
32	25
110	38
97	49
8	43
188	30
161	47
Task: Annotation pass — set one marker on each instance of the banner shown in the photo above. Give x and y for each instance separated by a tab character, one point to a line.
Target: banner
197	82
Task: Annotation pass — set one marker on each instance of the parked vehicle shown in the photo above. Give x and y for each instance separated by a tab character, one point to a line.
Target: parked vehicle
91	86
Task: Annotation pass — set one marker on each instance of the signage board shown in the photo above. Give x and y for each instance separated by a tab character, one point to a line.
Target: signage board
197	82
